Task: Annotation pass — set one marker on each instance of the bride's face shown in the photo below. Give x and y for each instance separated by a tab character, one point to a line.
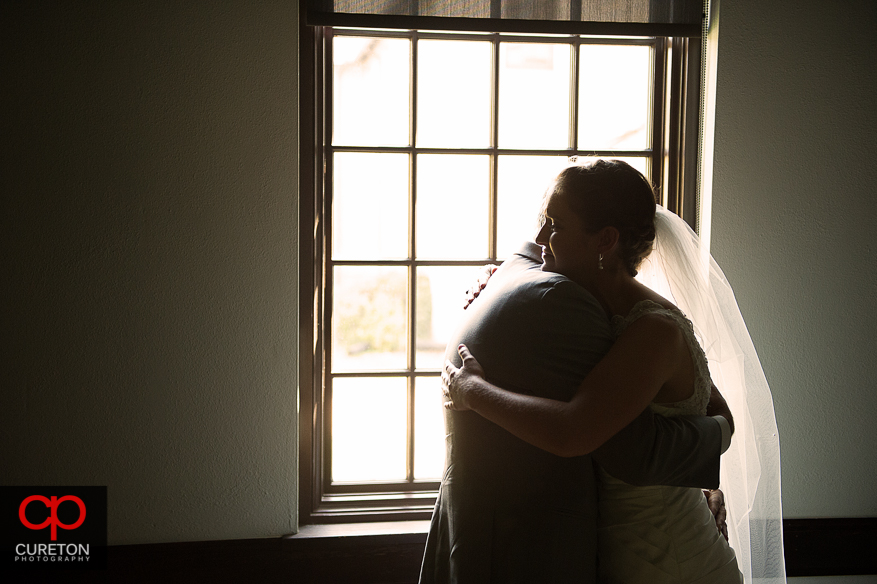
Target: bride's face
566	246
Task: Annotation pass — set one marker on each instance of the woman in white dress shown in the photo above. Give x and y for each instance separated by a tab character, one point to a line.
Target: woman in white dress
600	223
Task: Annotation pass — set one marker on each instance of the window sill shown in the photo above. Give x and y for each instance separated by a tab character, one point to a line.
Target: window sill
397	530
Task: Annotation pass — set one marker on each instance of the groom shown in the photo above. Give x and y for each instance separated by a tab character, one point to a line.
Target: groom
508	512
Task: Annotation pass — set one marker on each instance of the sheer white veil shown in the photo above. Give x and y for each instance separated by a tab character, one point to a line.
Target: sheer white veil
682	270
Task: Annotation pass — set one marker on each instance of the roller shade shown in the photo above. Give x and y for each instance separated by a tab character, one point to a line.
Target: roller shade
649	17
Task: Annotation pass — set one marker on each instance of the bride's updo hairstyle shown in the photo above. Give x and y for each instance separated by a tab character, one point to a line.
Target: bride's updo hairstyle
613	193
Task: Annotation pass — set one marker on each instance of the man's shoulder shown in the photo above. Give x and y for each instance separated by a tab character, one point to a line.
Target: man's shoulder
522	274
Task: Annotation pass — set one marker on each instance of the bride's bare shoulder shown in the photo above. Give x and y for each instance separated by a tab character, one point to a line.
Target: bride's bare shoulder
647	293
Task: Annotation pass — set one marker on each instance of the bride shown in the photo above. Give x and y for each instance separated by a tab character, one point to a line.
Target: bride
600	224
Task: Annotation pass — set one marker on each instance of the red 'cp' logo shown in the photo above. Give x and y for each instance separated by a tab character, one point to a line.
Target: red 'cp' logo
53	516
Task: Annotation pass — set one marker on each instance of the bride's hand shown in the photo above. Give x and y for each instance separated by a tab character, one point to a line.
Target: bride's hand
479	285
458	384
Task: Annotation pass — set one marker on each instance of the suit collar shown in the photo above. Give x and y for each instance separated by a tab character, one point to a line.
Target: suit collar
532	251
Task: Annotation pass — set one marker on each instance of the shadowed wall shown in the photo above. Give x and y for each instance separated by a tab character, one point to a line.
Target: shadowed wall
150	223
792	227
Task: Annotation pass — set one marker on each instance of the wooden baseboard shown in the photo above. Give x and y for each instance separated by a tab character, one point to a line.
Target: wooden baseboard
813	547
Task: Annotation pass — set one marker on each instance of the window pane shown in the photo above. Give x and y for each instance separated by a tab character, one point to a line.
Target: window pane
521	184
371	84
453	94
370	206
369	426
440	295
534	90
369	318
614	97
452	206
429	429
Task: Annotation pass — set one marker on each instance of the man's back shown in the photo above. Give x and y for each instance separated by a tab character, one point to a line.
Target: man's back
507	511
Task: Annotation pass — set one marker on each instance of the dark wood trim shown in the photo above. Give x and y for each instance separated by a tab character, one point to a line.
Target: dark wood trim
689	131
659	107
814	547
680	175
671	148
310	175
321	501
830	546
503	25
322	387
307	181
383	558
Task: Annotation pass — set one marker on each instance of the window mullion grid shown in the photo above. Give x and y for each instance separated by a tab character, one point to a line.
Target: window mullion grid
574	94
659	99
489	150
659	90
671	141
493	193
412	270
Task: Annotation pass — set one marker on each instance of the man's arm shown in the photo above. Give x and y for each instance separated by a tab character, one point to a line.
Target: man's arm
681	451
717	406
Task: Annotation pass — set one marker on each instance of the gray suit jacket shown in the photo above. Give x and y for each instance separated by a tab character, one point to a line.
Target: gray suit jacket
508	512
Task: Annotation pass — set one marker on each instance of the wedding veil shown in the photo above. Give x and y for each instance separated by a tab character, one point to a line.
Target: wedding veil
681	269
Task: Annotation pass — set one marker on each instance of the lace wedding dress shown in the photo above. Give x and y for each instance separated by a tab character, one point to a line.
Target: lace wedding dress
682	270
661	534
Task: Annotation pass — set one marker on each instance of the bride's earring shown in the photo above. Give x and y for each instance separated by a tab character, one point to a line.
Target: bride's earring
600	262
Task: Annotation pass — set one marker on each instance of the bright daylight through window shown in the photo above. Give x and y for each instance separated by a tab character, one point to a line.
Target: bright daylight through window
438	149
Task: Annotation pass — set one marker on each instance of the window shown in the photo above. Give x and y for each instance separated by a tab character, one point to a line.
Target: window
431	151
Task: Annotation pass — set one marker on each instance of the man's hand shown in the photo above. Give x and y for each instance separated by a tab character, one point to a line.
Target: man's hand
716	502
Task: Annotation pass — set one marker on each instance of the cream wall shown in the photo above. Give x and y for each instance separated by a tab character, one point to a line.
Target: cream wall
150	255
793	215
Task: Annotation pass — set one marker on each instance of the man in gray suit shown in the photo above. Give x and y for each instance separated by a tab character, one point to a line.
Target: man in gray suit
508	512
